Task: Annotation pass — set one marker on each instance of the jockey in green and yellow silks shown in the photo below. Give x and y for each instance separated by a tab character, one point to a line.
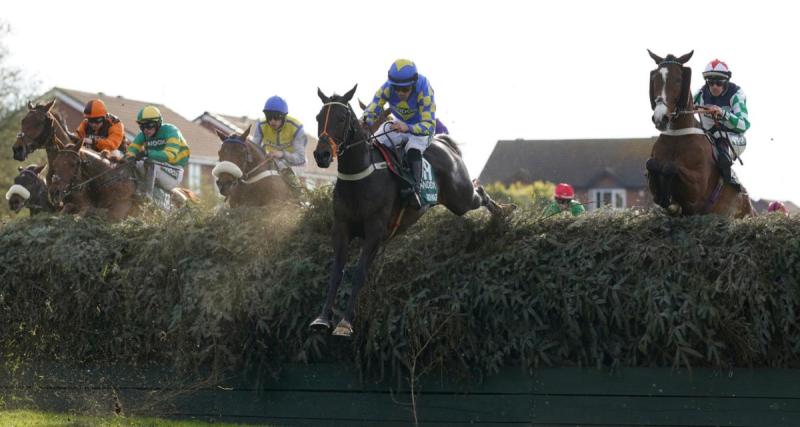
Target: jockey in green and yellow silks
163	144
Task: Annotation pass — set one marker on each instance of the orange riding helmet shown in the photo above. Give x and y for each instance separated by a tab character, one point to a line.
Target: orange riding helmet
95	109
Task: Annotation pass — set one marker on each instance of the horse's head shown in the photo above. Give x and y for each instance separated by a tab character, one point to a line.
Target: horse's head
37	128
669	88
236	156
66	169
26	185
336	125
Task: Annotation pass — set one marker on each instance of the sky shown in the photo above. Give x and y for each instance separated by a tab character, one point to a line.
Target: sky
500	70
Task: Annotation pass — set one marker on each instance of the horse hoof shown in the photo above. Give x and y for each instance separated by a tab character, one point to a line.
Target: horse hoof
343	329
674	209
320	324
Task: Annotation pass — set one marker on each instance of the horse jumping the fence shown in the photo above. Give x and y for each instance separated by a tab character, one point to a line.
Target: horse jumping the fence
245	176
84	181
366	198
682	174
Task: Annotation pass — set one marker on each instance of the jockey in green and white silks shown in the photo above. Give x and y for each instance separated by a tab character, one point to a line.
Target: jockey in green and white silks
727	120
410	98
281	136
164	145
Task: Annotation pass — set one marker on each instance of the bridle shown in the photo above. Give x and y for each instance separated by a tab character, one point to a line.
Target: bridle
250	176
29	143
339	147
682	104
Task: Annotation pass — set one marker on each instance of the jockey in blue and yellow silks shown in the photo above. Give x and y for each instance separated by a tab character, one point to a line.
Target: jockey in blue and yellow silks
283	139
410	98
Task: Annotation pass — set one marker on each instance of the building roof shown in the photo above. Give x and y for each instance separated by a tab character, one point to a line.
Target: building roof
202	143
225	123
580	162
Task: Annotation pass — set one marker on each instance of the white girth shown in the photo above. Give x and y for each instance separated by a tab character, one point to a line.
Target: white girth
363	174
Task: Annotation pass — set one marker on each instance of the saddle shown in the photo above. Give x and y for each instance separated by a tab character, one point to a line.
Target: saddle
395	162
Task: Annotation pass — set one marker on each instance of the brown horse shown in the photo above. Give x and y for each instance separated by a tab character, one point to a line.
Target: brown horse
84	181
246	176
367	201
29	191
682	174
40	129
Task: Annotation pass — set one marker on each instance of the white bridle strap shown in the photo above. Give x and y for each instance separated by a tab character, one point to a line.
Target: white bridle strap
336	103
684	131
363	174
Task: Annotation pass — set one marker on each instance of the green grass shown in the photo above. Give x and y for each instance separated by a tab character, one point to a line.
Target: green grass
23	418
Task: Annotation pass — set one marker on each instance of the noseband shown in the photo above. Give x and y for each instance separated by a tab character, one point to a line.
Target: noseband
683	97
341	146
38	142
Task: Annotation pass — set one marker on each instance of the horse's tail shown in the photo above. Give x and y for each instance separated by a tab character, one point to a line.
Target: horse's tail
449	142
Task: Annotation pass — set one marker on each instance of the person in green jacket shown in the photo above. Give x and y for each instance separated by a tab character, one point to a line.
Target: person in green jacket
161	143
564	196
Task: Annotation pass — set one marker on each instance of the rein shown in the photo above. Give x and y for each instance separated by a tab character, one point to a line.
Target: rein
77	187
339	148
250	176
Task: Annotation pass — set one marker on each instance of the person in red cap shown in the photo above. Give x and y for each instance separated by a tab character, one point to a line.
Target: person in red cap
564	201
777	206
99	129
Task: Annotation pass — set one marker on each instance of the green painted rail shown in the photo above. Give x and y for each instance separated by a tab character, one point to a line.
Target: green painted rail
332	395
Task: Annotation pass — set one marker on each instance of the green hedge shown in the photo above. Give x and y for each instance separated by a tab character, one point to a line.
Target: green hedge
236	289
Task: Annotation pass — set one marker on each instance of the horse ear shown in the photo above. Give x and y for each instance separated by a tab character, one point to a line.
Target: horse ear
49	105
222	136
655	57
322	96
685	58
246	132
30	106
361	105
349	95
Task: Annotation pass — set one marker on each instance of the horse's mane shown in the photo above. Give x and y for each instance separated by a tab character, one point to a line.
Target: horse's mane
449	142
237	139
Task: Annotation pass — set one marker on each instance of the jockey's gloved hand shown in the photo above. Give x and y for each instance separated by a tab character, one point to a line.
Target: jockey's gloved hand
140	155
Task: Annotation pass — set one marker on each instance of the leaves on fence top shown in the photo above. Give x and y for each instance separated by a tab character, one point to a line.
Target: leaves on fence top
235	289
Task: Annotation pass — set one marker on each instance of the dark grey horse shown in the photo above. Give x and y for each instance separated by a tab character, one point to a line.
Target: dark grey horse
29	191
366	198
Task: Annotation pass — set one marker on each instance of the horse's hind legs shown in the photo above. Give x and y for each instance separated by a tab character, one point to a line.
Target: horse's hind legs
493	207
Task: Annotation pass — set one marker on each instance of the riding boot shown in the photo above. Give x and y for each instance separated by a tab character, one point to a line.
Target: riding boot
414	159
724	162
292	181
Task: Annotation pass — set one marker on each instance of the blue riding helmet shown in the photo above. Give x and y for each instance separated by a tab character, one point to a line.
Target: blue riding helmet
276	103
403	72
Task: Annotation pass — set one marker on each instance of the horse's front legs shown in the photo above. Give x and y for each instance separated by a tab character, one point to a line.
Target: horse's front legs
341	238
375	234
